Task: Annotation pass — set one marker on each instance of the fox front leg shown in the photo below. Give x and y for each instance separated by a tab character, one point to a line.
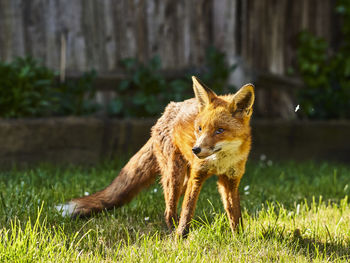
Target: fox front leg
194	186
228	188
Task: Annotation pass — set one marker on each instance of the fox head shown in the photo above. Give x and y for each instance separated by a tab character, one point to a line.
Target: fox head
222	124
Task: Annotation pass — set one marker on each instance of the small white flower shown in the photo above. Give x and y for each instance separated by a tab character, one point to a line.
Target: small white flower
297	108
247	193
155	190
86	193
262	157
269	163
246	188
308	231
147	218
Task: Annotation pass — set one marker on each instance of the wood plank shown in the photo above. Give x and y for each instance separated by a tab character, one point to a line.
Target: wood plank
261	35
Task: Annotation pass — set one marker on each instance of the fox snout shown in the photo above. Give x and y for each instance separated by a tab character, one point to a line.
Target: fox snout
203	152
196	150
203	147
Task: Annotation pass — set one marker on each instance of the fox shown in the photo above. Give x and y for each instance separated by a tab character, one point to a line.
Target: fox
193	140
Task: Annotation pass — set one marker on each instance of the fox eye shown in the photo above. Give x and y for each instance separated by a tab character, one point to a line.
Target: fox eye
220	130
200	128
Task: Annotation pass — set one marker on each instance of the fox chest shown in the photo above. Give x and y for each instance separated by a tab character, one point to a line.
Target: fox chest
224	163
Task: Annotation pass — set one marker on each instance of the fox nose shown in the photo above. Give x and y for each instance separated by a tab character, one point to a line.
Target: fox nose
196	150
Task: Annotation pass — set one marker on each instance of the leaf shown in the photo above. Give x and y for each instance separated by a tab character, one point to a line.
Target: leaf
24	72
124	85
115	107
129	63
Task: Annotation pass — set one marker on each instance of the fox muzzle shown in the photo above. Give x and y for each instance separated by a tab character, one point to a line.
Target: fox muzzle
196	150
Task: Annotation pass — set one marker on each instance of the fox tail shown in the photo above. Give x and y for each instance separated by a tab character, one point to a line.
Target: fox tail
140	172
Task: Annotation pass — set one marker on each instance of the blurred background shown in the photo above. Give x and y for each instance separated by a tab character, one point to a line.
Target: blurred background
115	65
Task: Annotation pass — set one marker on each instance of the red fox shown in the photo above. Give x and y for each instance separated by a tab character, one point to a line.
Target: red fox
191	141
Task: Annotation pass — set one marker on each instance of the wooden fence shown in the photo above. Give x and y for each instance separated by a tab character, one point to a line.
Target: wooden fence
258	35
101	32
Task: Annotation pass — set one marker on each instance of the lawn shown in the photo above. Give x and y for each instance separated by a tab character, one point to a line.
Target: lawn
292	212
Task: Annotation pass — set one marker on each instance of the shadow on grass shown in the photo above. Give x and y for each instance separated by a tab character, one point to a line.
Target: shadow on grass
311	248
112	228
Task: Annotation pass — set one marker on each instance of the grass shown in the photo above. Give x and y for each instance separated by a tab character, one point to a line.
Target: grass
292	212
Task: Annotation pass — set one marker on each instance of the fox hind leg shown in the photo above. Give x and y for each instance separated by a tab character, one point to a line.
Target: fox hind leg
173	178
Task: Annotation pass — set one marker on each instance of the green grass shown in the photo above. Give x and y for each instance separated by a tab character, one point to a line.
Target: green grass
292	212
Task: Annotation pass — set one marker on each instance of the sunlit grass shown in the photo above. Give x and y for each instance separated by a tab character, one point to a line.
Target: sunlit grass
292	212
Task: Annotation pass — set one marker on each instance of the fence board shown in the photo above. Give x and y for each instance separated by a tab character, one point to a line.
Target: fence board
261	33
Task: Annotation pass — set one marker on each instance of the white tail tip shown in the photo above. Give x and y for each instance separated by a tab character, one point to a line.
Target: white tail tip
66	209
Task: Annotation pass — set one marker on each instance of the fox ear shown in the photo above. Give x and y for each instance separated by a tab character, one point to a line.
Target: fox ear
203	94
243	100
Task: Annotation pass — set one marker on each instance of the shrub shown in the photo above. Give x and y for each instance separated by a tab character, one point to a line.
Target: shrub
146	92
28	89
217	71
76	96
326	75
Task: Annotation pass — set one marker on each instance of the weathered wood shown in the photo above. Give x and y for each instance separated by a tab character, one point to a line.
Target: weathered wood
100	33
91	140
269	32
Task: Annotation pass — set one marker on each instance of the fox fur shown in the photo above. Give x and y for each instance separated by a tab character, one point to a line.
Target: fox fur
193	140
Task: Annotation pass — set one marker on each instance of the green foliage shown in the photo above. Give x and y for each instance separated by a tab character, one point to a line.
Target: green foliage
146	92
218	71
76	95
326	75
28	89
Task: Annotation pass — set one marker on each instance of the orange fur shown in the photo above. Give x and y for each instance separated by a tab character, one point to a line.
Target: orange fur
224	140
